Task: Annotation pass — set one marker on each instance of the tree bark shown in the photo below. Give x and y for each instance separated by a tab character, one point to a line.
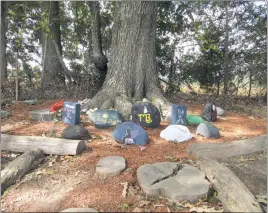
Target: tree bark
233	194
226	48
133	74
19	167
55	146
3	75
53	73
98	58
250	83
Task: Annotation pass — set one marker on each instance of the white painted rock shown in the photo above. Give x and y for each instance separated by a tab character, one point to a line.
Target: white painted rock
111	166
179	182
220	111
79	210
176	133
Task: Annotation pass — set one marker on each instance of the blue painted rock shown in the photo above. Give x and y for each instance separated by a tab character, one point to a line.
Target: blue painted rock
145	114
71	113
130	133
178	114
208	130
105	118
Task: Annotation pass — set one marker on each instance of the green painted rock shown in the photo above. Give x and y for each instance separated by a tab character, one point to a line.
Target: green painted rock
5	114
76	132
194	120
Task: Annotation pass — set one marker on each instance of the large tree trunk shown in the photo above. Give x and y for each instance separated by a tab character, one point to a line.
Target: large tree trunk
133	73
53	72
226	48
98	58
3	43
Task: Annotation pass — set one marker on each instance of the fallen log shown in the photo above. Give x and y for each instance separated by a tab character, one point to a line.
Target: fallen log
230	149
17	168
54	146
233	194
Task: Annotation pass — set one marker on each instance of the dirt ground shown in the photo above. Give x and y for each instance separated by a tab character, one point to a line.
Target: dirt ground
66	182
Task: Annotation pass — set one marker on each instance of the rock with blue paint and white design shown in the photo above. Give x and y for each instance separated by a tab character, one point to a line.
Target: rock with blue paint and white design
130	133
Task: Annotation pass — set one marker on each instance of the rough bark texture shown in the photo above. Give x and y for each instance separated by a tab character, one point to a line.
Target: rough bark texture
18	167
233	194
227	150
133	74
98	58
53	72
3	44
53	146
226	48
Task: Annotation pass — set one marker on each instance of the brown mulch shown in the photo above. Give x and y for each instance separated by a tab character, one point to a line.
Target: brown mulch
71	181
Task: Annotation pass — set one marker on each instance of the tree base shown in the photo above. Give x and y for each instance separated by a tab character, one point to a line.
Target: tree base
109	99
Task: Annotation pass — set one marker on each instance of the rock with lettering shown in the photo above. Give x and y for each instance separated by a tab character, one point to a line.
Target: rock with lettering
130	133
76	132
146	114
71	113
105	118
178	114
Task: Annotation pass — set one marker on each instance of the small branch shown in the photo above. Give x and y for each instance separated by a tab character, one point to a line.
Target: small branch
124	193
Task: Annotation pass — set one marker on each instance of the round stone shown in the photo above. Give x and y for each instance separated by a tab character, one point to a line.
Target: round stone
111	166
79	210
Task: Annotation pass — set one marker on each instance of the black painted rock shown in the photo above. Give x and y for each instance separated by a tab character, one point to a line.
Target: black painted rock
209	113
146	114
208	130
105	118
130	133
76	132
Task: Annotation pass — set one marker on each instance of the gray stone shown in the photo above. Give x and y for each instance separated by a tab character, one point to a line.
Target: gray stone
42	115
31	102
5	114
111	166
179	182
79	210
208	130
220	111
76	132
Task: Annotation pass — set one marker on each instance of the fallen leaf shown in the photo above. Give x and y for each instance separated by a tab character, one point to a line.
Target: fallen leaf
137	209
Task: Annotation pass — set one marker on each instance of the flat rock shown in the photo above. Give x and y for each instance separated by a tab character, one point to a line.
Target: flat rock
79	210
111	166
42	115
179	182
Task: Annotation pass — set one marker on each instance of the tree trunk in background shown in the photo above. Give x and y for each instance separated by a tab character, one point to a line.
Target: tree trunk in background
250	83
53	73
98	58
3	43
132	74
226	55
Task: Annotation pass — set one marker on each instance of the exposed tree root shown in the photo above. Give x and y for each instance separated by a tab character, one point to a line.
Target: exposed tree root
123	104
